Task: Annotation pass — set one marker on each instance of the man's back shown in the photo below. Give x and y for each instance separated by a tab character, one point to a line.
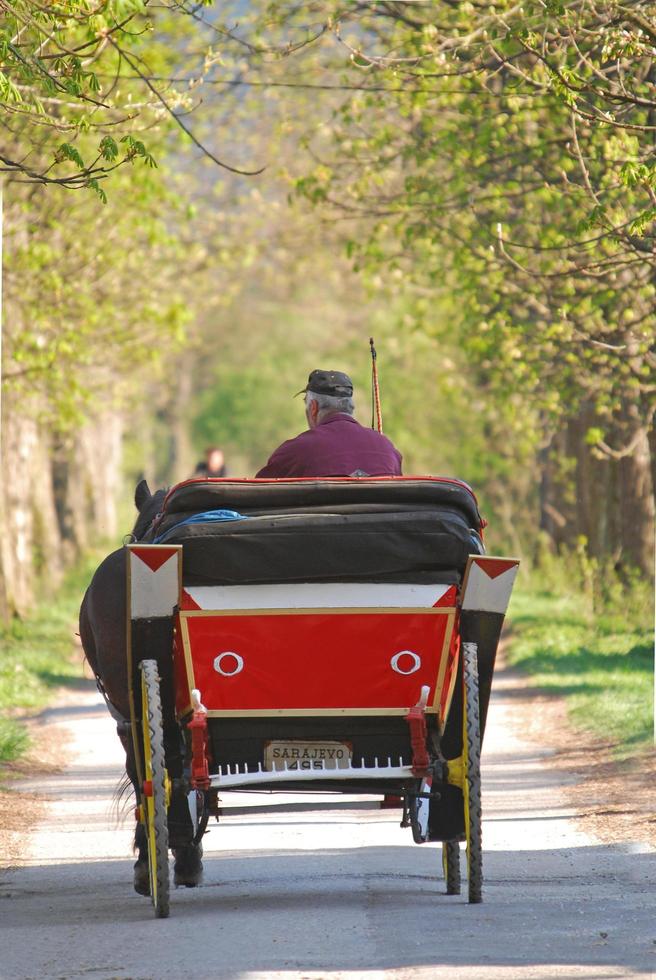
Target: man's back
337	446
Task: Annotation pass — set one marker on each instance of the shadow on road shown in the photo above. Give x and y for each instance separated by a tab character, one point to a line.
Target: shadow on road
288	910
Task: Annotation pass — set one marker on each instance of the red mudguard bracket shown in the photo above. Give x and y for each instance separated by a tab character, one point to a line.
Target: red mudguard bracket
416	719
200	763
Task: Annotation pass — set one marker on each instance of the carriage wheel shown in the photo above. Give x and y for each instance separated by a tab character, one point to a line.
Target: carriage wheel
451	866
157	788
472	782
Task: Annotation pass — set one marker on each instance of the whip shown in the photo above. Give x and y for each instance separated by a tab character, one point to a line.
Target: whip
376	413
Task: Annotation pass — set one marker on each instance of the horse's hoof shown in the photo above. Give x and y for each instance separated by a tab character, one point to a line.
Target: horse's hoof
188	867
141	878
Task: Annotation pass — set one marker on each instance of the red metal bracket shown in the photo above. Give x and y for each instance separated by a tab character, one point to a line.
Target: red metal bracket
200	768
416	719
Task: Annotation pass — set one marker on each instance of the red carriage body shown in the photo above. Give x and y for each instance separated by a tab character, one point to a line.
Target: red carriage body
323	634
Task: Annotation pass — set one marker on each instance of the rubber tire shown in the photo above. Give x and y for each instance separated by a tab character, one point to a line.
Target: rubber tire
472	748
155	806
451	866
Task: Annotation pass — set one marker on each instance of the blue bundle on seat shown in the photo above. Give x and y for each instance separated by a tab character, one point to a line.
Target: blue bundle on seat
207	517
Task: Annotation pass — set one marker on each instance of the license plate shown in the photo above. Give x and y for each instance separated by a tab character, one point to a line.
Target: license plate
305	756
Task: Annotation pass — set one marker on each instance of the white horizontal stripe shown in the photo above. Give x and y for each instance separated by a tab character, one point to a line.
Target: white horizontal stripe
327	595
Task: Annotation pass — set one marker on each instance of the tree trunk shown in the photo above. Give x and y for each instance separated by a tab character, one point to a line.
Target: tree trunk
557	514
29	533
87	478
637	497
99	455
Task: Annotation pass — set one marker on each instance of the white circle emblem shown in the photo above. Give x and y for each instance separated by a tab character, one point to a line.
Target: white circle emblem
411	668
221	669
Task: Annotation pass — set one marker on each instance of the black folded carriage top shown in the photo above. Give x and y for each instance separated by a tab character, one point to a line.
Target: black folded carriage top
378	529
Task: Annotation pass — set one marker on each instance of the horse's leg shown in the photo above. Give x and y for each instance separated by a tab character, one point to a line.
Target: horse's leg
188	867
141	871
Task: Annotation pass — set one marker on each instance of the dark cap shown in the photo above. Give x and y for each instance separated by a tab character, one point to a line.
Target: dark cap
329	383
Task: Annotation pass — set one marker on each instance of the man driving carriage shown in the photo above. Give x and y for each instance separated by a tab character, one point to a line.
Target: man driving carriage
335	444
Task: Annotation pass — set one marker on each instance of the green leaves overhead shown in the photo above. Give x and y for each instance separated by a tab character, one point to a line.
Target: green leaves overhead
492	169
135	148
60	67
505	154
68	152
108	149
106	69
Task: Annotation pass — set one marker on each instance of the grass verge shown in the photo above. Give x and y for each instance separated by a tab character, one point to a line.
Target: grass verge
596	653
38	656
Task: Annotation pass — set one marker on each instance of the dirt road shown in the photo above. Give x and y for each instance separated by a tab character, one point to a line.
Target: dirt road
335	894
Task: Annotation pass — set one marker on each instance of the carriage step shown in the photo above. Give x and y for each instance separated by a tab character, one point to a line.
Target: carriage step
237	776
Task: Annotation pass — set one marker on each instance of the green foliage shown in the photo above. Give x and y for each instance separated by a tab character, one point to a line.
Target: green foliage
643	221
497	171
56	63
584	632
622	601
92	298
38	655
492	184
601	663
135	148
108	148
94	185
79	68
68	152
247	405
13	740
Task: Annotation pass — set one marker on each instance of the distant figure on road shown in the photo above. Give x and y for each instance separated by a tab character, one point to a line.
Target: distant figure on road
335	443
213	464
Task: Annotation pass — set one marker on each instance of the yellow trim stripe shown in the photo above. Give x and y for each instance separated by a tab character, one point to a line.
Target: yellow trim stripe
323	611
307	712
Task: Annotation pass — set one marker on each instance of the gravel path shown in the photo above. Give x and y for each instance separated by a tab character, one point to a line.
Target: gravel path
338	894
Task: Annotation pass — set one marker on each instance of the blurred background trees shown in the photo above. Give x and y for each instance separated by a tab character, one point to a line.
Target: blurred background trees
474	185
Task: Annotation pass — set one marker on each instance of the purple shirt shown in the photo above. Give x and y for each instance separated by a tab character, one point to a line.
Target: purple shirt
338	446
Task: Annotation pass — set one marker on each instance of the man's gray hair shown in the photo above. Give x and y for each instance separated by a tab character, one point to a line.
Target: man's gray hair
330	403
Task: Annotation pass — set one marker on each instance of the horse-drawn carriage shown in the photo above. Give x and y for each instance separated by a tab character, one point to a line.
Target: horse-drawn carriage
302	635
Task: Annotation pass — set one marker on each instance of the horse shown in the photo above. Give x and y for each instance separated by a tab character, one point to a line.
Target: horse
103	636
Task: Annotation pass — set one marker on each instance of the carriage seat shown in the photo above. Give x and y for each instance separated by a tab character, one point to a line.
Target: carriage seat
394	529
